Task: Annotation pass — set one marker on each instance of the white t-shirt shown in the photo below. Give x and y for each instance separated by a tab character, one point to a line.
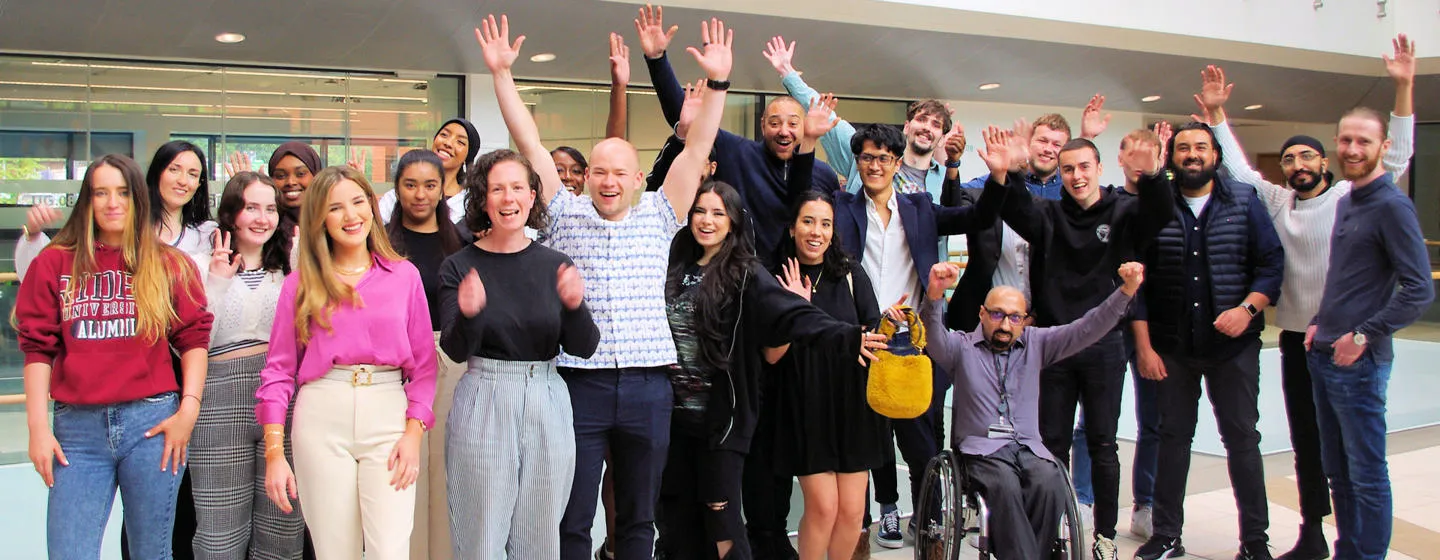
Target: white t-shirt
1197	204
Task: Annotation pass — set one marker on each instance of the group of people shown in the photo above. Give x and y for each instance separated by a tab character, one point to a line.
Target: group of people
465	366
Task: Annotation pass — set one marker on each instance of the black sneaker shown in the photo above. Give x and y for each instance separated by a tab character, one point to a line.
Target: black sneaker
888	533
1160	548
1254	551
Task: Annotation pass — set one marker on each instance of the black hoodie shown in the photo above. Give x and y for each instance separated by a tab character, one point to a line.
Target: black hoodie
1075	252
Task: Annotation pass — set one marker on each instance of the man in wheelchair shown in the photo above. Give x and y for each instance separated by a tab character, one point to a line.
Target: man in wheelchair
996	409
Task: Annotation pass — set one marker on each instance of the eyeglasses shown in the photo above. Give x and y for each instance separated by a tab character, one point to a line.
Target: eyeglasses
1307	157
997	316
867	159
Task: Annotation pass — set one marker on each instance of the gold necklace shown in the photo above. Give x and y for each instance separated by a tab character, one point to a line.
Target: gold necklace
815	286
353	271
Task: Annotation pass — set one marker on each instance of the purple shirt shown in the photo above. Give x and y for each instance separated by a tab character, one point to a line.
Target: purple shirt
968	358
392	328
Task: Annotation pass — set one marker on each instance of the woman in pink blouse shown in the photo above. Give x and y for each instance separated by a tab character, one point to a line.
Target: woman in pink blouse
352	344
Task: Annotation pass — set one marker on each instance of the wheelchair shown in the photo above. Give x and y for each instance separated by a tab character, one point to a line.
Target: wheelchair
946	487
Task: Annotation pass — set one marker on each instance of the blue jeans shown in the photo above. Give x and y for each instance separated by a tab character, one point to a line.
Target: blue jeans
1080	465
1147	438
1350	402
107	448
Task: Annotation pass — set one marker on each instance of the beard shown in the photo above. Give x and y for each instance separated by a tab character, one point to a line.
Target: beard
920	150
1304	180
998	345
1366	168
1194	180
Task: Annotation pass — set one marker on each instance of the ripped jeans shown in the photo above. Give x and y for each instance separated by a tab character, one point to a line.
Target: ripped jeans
700	501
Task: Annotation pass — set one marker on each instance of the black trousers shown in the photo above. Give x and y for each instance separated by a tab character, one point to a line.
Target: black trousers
1096	378
1304	428
1026	495
1233	383
695	477
920	439
766	494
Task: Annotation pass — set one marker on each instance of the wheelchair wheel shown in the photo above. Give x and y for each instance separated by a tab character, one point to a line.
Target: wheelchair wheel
940	536
1071	542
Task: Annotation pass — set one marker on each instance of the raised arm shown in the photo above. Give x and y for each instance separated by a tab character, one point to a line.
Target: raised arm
619	80
500	55
836	138
1156	205
683	180
1401	68
654	39
1065	340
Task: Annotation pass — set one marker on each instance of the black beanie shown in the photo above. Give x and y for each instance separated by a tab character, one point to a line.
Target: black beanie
472	138
1303	140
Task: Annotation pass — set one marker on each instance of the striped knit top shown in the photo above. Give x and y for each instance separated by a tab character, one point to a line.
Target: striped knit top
1304	226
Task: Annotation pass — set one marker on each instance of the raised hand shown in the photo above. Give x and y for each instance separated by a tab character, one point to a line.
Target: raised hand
1214	92
817	118
694	96
1133	274
1020	144
782	57
239	161
471	295
221	263
1092	122
943	276
1143	155
1401	66
39	217
1165	132
359	159
716	58
654	38
570	286
997	150
495	45
793	281
619	60
954	144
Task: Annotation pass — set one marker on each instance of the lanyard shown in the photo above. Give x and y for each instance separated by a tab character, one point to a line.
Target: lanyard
1003	374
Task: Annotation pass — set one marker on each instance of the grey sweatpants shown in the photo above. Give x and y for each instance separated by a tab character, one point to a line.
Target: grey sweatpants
510	460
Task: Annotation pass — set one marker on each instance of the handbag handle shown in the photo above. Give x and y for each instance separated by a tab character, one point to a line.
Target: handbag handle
917	327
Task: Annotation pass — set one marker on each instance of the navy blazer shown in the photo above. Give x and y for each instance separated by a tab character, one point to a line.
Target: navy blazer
924	222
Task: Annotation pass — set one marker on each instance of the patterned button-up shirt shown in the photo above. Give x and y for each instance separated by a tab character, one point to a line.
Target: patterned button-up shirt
624	265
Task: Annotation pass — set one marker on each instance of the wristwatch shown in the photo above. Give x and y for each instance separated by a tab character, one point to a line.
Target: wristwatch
955	165
1360	339
717	85
1250	308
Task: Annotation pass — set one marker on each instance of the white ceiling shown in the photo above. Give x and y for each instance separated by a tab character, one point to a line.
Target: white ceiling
852	59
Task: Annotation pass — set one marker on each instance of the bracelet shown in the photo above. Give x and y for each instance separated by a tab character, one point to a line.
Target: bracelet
717	85
189	396
274	447
955	165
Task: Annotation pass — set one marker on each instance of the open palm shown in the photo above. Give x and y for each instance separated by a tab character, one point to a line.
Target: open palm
1401	67
716	58
495	44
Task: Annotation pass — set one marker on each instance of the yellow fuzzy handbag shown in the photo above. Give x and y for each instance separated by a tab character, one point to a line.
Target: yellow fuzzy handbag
900	380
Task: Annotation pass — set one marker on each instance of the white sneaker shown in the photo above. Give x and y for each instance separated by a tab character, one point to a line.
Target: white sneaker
1104	548
1142	522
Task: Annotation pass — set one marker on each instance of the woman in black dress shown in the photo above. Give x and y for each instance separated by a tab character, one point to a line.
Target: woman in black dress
826	433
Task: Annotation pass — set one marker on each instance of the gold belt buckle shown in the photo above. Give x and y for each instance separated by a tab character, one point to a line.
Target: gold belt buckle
356	373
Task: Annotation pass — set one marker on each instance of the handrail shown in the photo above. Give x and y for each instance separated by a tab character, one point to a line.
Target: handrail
12	399
9	277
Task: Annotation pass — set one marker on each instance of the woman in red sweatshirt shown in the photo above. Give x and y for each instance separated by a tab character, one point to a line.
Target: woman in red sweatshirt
97	314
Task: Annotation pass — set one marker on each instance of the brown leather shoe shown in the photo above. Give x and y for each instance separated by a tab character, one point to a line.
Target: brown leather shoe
862	547
937	551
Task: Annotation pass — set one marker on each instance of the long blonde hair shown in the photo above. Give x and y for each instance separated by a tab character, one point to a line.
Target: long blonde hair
321	291
153	265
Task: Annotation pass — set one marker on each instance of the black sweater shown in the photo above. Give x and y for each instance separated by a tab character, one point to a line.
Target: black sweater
769	316
523	319
1075	252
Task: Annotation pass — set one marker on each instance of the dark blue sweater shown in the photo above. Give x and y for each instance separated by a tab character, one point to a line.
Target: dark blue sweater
1379	278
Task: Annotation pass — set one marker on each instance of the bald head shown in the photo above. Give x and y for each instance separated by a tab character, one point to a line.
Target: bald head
617	153
782	126
1008	304
1006	298
613	177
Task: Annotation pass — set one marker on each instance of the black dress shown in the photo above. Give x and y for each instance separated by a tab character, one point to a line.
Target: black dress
823	421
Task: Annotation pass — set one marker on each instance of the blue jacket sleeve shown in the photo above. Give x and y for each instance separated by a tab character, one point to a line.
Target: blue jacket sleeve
836	142
667	88
668	152
1266	252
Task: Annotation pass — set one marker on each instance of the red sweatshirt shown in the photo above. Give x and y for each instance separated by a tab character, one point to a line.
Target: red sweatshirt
92	344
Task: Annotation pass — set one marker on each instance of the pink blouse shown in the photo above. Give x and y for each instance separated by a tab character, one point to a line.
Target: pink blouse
390	328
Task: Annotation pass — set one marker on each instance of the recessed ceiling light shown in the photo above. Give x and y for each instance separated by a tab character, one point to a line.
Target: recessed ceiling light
543	57
989	86
1254	107
1150	98
230	38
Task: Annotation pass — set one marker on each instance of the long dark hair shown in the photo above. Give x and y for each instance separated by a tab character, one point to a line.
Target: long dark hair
195	212
275	255
450	241
720	289
478	184
837	263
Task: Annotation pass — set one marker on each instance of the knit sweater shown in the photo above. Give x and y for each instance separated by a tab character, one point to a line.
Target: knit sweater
1304	226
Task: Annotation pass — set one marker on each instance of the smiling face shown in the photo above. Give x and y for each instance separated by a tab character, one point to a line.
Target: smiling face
1194	158
877	167
1359	143
293	178
782	126
1007	302
258	218
420	191
180	180
110	203
349	217
924	132
1304	168
452	144
709	222
1045	144
613	178
508	196
812	231
1080	173
572	174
